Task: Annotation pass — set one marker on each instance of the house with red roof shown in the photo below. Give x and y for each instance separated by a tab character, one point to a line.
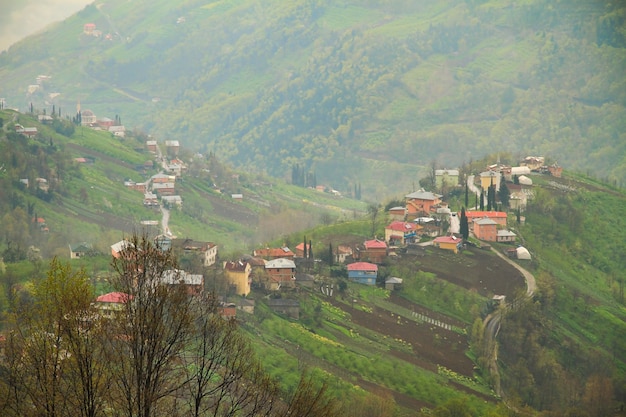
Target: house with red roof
400	232
111	303
373	251
88	28
274	253
363	273
452	243
497	216
300	250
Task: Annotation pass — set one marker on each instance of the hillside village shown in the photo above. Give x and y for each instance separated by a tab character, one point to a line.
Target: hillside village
424	220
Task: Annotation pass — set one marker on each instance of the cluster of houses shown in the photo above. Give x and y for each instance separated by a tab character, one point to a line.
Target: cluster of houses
161	187
89	119
278	268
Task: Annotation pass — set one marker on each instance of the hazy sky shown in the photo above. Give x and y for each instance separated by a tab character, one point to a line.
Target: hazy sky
20	18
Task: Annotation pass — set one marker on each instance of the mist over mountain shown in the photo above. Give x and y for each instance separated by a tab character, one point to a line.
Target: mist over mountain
23	18
357	92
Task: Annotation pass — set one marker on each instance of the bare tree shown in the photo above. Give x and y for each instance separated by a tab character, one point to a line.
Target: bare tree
224	378
152	331
311	401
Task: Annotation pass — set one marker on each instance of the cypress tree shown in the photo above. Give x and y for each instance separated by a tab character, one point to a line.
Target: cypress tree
482	200
464	226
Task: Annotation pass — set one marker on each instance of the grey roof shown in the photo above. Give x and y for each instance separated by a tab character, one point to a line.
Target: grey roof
505	232
177	276
81	247
393	280
423	195
280	263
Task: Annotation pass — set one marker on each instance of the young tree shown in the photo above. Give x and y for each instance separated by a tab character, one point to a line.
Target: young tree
372	211
310	401
223	375
54	354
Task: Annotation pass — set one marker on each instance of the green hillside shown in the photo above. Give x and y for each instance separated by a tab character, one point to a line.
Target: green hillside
350	90
88	201
402	352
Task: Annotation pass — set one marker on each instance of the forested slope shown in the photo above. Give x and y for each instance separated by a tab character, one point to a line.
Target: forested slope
347	89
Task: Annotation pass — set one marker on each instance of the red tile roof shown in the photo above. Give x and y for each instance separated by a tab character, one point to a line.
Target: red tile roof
114	297
403	226
362	266
375	244
447	239
489	214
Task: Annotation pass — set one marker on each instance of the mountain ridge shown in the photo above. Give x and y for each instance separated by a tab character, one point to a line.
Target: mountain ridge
445	81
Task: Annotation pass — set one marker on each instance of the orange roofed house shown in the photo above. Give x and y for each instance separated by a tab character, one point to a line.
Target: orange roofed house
497	216
421	203
300	250
399	232
448	243
373	251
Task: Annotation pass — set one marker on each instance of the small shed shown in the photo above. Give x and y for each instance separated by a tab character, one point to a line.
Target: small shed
246	305
393	283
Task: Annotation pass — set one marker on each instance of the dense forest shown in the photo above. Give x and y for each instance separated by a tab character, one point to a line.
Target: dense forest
338	87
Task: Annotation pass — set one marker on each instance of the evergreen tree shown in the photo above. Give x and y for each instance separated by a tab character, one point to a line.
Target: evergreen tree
464	226
482	200
305	251
504	194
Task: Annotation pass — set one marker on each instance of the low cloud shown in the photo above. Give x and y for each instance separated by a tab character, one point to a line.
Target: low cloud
23	18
